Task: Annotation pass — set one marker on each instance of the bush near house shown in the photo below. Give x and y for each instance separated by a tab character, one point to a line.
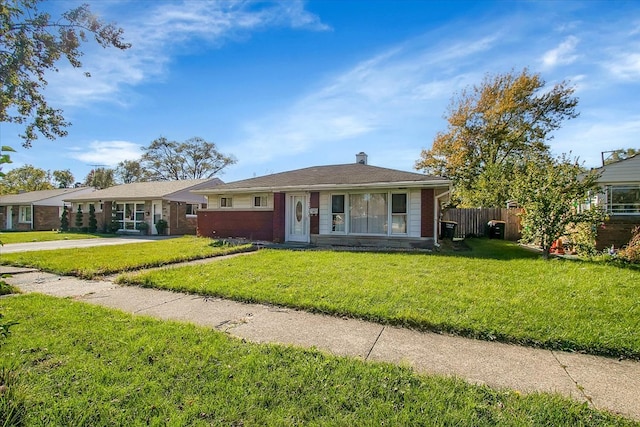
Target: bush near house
631	253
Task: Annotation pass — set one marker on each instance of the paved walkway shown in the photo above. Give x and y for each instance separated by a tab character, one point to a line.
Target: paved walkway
603	383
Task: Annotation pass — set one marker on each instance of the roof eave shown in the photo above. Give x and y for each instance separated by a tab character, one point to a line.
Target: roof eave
321	187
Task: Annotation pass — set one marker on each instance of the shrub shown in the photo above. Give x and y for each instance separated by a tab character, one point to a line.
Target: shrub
93	222
79	217
64	219
161	226
631	253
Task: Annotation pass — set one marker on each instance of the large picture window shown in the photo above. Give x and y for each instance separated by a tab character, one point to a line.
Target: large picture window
368	213
129	215
623	199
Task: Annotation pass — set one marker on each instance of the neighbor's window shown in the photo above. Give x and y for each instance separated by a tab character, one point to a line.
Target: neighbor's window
399	213
226	202
368	213
259	201
25	214
623	200
192	209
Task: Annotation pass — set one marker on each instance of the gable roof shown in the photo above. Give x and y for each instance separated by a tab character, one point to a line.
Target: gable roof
328	177
623	171
165	190
40	196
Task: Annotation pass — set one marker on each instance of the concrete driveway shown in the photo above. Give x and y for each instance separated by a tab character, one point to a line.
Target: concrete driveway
82	243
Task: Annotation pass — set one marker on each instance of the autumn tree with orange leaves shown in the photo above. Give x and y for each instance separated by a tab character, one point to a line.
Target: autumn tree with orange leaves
492	129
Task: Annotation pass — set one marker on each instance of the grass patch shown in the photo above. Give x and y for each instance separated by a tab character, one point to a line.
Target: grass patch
44	236
101	260
83	365
497	291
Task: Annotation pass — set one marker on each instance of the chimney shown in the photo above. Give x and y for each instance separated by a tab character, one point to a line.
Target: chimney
361	158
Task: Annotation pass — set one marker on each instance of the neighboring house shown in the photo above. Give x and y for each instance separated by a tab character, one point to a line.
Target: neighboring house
132	207
35	210
621	198
352	204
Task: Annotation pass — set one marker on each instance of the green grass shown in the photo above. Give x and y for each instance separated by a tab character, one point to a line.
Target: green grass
43	236
81	365
100	260
497	291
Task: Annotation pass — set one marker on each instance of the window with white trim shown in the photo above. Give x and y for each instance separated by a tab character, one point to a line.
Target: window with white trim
337	213
260	201
226	202
399	213
192	209
25	214
623	199
368	213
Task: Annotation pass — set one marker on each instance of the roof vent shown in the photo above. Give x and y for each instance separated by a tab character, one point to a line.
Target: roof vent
361	158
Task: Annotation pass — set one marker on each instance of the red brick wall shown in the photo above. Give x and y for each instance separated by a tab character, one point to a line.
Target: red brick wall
279	215
46	218
616	232
252	225
427	200
314	224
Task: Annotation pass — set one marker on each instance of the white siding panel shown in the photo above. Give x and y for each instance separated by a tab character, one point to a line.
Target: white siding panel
323	211
414	213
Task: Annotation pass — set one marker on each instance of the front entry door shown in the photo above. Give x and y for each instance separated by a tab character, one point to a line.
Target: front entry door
298	227
157	214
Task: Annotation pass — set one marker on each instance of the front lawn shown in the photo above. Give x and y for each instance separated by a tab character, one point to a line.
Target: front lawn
43	236
81	365
100	260
497	291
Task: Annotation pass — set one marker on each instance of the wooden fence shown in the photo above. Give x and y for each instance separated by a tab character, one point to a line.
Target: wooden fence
473	222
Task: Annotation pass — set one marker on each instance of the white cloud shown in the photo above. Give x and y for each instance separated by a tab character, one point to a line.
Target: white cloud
626	66
564	54
107	153
157	31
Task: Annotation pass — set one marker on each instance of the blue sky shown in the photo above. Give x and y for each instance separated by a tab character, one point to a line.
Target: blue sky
291	84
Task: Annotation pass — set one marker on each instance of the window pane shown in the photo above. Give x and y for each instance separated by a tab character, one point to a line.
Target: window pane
399	224
337	203
399	203
624	200
337	222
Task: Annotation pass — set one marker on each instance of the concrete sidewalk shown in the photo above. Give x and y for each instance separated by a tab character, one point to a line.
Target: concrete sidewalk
603	383
79	243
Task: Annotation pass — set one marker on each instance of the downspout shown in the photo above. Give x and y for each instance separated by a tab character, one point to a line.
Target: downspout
435	215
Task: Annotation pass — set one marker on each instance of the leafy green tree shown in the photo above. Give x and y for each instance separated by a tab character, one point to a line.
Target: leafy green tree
25	178
64	219
93	221
31	45
552	193
620	154
129	171
491	128
79	218
100	178
192	159
63	178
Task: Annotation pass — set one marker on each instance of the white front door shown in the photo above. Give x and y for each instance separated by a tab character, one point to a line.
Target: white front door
156	207
9	217
297	218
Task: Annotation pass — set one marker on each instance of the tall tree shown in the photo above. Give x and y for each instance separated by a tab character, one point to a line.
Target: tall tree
619	154
100	178
31	44
63	178
25	178
192	159
129	171
491	128
551	193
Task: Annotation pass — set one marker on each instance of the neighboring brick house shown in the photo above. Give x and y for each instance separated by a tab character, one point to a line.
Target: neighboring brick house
352	204
35	210
621	198
127	206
